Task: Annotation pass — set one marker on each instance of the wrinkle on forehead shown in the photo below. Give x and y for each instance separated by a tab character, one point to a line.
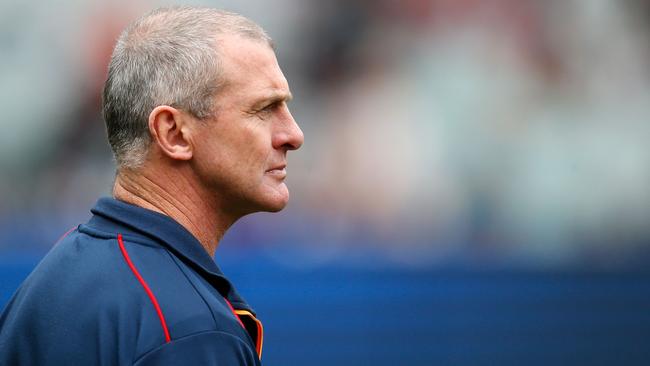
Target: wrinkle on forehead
250	67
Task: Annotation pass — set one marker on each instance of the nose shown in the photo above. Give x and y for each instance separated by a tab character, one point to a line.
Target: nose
288	136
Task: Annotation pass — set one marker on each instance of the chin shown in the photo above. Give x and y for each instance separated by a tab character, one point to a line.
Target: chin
252	207
276	205
274	200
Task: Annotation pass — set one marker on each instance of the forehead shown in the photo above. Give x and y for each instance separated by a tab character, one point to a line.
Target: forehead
250	67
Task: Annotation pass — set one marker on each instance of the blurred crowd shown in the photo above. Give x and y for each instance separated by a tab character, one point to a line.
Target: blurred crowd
436	131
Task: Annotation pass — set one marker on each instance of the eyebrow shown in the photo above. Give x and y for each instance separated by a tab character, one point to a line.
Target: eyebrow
273	97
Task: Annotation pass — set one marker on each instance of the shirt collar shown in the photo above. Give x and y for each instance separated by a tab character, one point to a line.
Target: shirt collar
112	215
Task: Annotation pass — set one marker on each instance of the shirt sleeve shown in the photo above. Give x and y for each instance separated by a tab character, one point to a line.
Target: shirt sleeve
211	348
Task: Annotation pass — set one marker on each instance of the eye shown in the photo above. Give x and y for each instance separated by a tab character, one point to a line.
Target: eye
271	107
268	109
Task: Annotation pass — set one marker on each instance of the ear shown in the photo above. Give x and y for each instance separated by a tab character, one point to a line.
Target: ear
169	130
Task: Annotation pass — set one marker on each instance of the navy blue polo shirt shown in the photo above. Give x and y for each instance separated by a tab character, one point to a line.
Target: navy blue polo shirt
130	287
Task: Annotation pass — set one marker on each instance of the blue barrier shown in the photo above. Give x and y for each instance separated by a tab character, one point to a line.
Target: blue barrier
341	315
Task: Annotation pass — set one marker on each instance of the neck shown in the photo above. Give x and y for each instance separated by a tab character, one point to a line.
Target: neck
175	196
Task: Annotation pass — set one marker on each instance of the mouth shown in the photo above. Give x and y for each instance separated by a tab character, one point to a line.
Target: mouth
279	171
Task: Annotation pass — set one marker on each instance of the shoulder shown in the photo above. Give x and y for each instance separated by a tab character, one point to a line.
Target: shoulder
82	293
204	348
193	316
121	297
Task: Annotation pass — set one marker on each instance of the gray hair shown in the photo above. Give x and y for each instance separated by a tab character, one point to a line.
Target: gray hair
167	57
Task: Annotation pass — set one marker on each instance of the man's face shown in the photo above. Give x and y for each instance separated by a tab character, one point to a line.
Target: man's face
241	154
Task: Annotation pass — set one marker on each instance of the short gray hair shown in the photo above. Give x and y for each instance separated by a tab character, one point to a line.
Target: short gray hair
167	57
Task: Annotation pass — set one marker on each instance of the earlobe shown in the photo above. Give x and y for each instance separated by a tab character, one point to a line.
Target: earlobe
169	133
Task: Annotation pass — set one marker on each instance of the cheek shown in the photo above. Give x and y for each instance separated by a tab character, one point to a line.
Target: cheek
255	148
241	152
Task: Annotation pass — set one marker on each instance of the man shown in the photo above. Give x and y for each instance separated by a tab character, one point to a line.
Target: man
196	112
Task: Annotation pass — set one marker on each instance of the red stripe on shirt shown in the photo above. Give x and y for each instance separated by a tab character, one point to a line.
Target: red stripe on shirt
64	235
152	297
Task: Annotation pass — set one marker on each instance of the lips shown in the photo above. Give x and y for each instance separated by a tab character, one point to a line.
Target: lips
280	170
280	166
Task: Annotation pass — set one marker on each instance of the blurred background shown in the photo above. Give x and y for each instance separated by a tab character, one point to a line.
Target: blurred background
474	187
